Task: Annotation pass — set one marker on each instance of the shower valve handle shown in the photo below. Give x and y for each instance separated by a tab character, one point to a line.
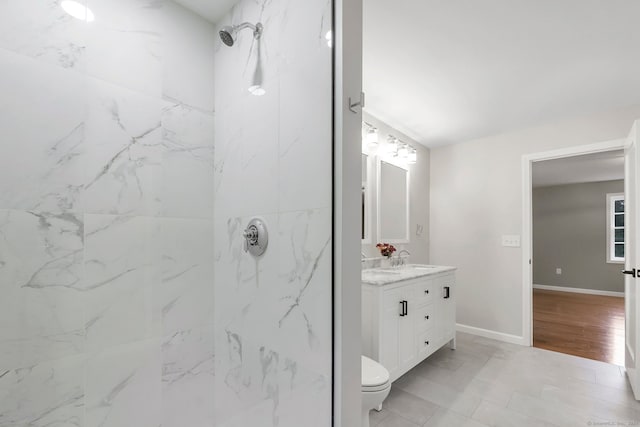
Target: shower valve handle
256	237
251	235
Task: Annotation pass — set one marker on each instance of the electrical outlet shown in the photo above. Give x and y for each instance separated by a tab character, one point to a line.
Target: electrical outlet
511	240
558	271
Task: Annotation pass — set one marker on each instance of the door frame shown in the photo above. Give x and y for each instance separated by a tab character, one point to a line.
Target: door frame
527	219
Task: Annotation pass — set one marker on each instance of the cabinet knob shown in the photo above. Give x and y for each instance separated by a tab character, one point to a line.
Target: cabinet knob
426	317
426	291
426	342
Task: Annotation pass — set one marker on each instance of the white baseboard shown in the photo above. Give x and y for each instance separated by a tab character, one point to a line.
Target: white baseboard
487	333
579	290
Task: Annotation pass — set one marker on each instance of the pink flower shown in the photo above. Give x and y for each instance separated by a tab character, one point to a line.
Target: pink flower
386	249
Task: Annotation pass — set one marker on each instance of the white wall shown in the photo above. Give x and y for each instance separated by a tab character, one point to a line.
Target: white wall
476	197
106	199
273	315
418	197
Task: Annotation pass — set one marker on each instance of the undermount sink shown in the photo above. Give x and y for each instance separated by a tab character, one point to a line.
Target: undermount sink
420	266
406	267
388	270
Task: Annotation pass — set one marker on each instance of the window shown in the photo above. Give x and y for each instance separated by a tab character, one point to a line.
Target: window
615	227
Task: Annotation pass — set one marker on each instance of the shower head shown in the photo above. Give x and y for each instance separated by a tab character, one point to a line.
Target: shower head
229	34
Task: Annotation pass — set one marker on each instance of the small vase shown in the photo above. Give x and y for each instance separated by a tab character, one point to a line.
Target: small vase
385	262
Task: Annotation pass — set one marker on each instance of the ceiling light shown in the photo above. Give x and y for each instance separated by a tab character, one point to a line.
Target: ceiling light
78	10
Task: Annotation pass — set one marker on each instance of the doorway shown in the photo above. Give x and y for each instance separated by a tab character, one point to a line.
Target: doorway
604	149
578	251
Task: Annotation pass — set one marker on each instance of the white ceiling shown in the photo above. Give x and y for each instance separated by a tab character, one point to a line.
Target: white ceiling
212	10
579	169
445	71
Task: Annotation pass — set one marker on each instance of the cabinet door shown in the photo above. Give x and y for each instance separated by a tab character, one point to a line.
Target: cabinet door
389	328
406	329
448	307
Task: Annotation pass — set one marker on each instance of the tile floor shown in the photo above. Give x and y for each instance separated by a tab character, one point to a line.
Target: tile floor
490	383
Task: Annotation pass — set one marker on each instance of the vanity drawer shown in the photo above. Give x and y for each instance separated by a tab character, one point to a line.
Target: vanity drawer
425	317
426	343
424	292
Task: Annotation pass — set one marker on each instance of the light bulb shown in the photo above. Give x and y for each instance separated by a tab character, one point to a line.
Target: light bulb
390	148
372	136
403	152
413	156
77	10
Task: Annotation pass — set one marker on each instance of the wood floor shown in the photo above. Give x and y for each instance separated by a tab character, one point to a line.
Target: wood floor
590	326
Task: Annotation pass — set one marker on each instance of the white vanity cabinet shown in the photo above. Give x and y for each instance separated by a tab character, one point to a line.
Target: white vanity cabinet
404	322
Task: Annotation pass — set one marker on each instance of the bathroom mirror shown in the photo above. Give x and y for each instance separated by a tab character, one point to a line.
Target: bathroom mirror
393	203
366	200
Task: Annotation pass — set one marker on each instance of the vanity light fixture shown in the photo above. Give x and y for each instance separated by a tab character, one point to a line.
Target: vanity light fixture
78	10
392	149
399	151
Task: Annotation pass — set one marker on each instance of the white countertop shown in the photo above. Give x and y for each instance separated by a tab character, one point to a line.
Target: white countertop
385	276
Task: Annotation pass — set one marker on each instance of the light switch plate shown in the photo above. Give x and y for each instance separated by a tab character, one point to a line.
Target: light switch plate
511	240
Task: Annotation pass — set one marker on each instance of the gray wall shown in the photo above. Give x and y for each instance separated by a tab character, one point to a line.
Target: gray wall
418	198
570	232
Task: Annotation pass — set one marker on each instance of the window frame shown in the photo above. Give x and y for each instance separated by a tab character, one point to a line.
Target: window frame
612	198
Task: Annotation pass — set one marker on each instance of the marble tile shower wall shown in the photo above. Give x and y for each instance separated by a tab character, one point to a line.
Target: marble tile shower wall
106	215
273	160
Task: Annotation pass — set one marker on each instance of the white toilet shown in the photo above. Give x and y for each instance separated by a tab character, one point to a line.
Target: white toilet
375	387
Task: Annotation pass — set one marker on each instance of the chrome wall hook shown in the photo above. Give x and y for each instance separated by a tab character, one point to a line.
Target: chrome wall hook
360	104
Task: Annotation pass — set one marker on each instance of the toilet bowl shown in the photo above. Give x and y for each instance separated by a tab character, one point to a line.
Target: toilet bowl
375	387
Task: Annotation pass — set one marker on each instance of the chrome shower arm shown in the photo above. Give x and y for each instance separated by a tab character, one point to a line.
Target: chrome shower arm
257	29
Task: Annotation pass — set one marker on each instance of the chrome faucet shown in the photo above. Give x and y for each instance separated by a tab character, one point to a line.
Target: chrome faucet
401	261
